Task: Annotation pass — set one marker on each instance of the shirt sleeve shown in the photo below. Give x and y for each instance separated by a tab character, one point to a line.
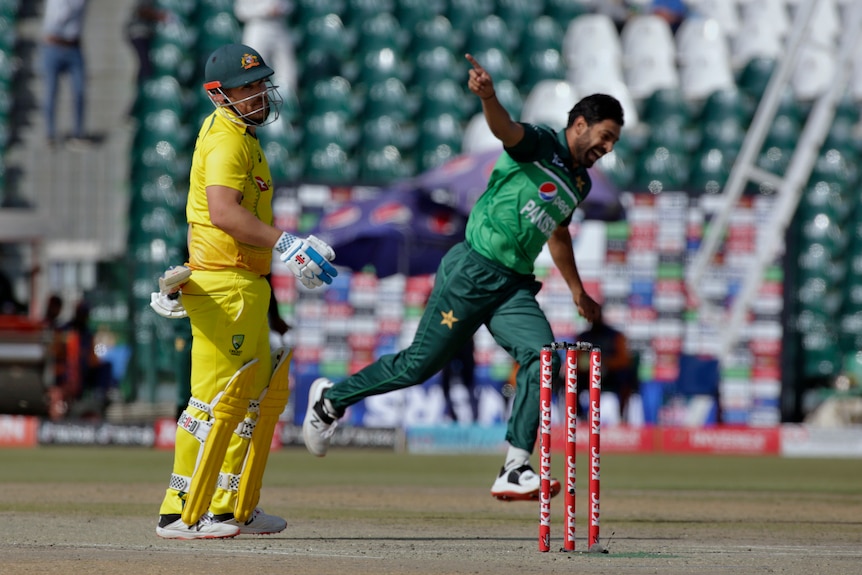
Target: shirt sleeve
536	144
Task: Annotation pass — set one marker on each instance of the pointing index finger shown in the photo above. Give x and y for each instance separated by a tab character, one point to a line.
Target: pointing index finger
474	62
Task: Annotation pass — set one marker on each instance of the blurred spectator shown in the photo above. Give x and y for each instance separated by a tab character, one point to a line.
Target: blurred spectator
87	376
9	304
62	29
674	11
140	31
619	372
53	309
265	29
59	395
462	365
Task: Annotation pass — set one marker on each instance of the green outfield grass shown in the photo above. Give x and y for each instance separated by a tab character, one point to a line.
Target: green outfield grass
373	512
294	466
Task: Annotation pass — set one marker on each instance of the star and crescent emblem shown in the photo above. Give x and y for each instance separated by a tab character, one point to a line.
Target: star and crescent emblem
579	182
449	318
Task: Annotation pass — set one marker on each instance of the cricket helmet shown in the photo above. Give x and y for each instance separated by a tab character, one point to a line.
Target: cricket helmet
235	65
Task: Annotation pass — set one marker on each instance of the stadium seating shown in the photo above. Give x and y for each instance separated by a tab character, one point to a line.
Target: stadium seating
436	32
509	95
518	14
444	97
648	55
308	10
814	72
549	102
333	94
704	58
377	133
463	13
489	32
389	98
413	13
478	136
380	31
358	11
542	33
539	66
383	166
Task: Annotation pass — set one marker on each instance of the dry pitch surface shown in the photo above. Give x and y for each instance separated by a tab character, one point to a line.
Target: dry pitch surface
93	511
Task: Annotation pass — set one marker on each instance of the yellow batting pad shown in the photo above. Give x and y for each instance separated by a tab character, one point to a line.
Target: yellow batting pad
230	408
272	402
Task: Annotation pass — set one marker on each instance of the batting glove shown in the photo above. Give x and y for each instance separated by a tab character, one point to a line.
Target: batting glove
308	259
169	306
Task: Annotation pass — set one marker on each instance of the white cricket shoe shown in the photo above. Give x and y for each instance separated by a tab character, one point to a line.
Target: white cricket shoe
520	484
319	424
172	527
260	523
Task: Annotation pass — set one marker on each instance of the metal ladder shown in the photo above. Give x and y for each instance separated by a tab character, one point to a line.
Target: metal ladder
789	186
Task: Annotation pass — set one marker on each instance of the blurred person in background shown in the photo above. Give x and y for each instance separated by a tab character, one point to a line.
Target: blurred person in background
62	30
140	31
462	366
619	374
265	28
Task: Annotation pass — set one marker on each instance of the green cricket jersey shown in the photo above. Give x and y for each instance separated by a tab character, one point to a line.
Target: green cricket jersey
532	189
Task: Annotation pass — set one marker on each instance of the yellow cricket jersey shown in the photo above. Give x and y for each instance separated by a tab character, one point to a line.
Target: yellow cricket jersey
226	154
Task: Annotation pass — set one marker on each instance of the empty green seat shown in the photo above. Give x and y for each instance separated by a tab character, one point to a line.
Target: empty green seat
727	104
499	65
567	10
437	64
541	33
544	65
619	168
327	34
439	139
377	133
835	165
710	169
329	128
463	13
413	13
660	169
283	131
725	134
382	166
389	98
358	11
509	95
488	32
378	65
674	133
330	165
755	75
308	10
518	14
444	97
665	103
219	29
436	32
333	94
285	163
381	31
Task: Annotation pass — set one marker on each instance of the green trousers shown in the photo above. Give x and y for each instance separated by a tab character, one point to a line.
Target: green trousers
469	291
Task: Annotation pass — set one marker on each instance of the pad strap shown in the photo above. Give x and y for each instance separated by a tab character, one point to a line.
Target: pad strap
228	481
201	405
246	427
180	482
199	428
